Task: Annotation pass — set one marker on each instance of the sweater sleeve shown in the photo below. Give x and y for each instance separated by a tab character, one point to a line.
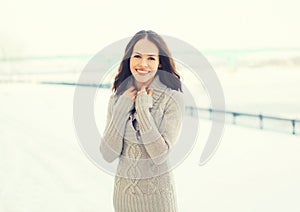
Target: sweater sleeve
117	115
158	143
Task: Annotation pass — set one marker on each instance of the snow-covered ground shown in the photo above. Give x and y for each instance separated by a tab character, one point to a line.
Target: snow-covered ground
44	169
270	91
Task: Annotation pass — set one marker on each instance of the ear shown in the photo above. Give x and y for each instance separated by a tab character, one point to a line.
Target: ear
159	66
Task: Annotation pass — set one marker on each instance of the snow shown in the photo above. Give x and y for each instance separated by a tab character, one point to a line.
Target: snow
44	169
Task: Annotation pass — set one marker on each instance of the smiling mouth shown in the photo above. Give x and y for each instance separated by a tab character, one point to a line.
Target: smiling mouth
142	72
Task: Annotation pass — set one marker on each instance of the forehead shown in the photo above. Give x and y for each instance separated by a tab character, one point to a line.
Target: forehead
145	46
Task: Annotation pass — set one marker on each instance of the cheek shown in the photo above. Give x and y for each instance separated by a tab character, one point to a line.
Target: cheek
155	66
134	63
131	65
153	72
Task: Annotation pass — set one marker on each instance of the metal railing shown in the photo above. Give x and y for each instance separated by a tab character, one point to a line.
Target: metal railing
193	111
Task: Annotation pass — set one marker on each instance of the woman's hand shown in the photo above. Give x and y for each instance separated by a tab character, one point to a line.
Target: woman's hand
143	90
130	93
144	99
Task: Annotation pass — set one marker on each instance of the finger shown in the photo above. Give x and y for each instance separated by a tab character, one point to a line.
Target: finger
141	92
131	88
133	93
150	92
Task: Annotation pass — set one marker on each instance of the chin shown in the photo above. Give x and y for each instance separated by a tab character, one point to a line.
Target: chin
142	79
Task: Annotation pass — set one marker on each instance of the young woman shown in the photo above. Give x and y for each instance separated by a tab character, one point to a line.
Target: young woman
143	123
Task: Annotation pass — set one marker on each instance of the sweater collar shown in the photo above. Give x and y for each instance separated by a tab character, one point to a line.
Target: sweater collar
156	84
158	87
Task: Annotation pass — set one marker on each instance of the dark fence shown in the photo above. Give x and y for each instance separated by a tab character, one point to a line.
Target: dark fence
247	119
101	85
237	118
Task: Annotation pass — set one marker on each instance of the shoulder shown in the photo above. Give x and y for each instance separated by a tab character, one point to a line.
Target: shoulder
175	96
175	99
114	97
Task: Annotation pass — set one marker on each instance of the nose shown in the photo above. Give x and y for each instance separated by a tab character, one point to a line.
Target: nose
144	62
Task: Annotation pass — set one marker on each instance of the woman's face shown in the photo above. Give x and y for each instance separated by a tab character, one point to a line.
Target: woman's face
144	61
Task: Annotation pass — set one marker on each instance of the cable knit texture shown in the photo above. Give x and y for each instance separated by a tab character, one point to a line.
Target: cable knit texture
141	133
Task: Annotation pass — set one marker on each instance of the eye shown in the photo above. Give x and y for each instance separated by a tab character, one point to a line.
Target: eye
151	58
137	56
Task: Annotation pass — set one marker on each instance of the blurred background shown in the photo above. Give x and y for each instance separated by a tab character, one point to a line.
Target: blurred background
253	46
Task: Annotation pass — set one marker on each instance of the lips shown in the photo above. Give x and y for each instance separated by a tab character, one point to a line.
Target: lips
142	72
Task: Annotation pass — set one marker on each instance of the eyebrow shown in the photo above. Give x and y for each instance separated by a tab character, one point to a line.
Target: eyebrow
147	54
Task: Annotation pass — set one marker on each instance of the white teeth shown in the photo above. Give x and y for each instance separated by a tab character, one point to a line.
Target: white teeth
142	72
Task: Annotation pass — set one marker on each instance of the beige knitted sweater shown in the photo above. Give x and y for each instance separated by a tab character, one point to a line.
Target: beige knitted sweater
141	134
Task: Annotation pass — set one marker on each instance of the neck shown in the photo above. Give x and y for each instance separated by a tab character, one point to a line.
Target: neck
139	85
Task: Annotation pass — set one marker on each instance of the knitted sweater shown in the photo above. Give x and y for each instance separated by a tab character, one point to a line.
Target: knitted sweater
141	133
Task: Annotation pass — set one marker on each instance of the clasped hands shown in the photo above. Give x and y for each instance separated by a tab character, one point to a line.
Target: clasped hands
132	93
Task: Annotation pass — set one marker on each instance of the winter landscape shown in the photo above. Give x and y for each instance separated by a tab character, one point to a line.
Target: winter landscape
43	167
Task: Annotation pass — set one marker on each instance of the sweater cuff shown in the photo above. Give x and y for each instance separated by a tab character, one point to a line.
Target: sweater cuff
148	128
124	105
144	101
121	113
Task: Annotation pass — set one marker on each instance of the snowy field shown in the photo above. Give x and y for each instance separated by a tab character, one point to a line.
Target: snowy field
44	169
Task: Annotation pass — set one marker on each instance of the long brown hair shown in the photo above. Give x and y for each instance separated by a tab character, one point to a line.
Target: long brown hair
167	71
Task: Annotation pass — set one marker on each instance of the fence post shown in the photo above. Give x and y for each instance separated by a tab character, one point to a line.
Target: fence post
260	121
294	127
192	111
210	113
233	117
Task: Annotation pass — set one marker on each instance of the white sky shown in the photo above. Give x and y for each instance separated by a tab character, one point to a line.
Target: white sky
55	27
